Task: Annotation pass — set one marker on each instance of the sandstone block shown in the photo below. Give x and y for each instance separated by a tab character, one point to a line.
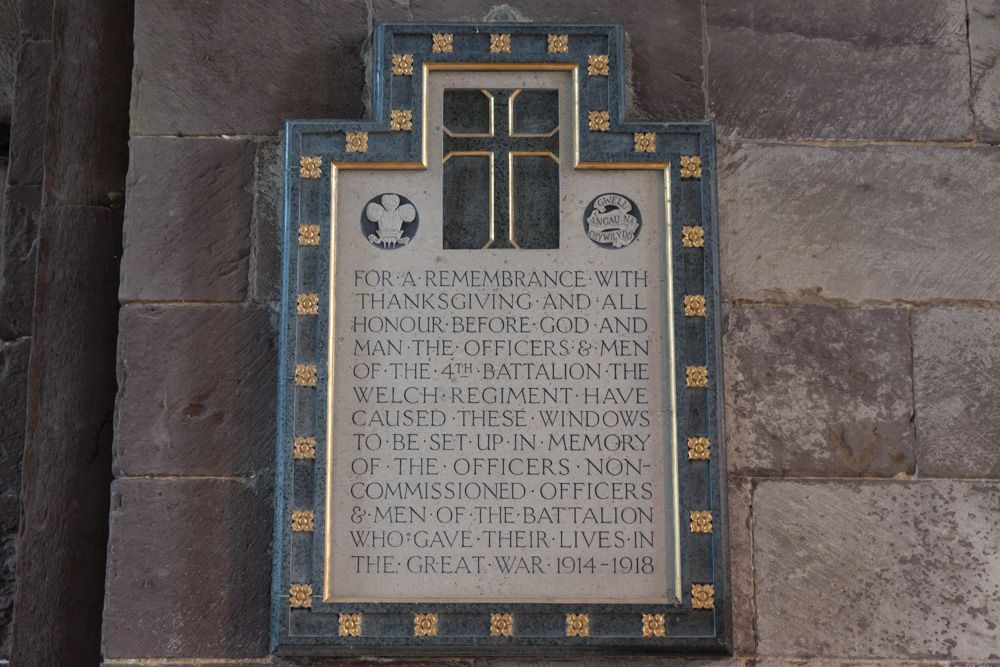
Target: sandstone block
87	124
864	570
268	209
780	69
10	508
957	391
36	19
606	662
13	413
813	391
197	391
189	569
984	43
22	208
235	67
66	469
187	235
775	662
858	224
27	129
284	61
741	566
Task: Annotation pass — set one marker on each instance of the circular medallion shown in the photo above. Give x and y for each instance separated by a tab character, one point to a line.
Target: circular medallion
389	221
612	221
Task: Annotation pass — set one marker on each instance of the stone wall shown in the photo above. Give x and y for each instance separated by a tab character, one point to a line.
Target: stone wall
858	193
61	226
19	220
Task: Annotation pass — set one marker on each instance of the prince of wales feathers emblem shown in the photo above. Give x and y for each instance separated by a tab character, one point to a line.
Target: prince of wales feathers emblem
390	217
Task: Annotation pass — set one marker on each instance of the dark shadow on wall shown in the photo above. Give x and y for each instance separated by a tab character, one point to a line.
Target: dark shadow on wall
69	143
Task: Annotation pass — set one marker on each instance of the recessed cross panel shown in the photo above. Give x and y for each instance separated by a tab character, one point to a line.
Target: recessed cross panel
514	135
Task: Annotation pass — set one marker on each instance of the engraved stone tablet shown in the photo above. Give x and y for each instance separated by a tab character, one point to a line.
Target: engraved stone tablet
510	373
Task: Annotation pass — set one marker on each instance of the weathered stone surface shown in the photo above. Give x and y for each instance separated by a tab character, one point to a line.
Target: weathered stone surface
957	391
265	233
818	391
67	450
27	129
864	224
13	411
86	130
896	569
10	509
741	566
236	67
984	43
609	662
329	662
458	662
197	390
281	61
189	569
18	248
825	662
779	69
36	19
187	236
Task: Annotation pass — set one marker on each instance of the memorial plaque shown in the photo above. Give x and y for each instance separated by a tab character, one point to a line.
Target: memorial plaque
499	426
